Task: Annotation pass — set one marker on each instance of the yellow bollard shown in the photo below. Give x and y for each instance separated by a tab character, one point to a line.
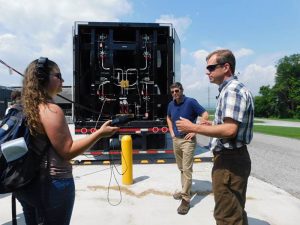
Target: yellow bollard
126	145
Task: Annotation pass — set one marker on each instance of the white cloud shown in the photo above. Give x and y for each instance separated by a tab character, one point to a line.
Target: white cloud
193	73
181	24
40	13
199	57
6	40
243	52
196	84
254	76
33	28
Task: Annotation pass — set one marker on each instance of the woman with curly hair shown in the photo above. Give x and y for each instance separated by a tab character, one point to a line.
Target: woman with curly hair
49	199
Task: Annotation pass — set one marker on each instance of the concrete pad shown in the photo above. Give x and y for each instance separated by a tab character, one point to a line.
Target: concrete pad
148	201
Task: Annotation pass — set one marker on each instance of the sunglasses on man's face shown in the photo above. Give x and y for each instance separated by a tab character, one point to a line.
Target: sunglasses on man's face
175	91
211	68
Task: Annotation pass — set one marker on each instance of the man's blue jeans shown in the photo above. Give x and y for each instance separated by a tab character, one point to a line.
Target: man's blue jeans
48	201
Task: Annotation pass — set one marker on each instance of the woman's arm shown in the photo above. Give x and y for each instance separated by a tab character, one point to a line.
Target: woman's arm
57	130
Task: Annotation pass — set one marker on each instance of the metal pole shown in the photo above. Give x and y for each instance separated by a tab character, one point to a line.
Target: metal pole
126	146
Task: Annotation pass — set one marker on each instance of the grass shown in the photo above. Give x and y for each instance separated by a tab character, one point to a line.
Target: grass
211	117
290	132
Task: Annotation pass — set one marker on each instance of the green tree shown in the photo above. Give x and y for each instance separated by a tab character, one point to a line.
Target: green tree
287	86
266	103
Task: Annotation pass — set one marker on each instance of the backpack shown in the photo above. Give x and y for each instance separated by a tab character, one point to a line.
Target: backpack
21	171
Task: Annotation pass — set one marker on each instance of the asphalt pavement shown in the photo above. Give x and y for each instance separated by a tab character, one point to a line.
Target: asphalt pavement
276	160
270	122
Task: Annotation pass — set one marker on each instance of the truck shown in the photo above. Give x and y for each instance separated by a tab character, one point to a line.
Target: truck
125	69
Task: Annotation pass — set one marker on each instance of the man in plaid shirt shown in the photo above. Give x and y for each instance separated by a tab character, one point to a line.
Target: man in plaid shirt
231	131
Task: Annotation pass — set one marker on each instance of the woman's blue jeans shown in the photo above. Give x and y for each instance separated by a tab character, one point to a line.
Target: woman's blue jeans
48	201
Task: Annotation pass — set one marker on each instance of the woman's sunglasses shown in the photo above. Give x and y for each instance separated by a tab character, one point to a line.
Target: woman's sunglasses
58	75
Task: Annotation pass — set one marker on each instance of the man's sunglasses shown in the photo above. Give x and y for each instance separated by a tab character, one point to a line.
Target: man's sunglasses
211	68
58	75
175	91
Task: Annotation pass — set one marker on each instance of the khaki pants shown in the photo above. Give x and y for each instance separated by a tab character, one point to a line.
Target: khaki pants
229	180
184	155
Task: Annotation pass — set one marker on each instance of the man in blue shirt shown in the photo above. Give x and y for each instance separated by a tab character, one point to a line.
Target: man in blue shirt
231	131
183	143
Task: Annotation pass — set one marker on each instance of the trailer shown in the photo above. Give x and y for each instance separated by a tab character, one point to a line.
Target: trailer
125	69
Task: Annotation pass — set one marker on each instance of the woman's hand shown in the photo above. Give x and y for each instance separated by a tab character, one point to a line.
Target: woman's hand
106	130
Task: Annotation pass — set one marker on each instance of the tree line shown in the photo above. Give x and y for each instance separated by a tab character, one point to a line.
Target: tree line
283	99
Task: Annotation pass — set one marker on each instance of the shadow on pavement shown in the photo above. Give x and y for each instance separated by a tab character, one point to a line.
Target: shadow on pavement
20	220
139	179
253	221
4	195
200	189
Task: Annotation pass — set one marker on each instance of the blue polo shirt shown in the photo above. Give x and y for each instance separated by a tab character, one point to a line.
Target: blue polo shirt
189	109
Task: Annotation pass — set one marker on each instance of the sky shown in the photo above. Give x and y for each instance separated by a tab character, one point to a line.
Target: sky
259	32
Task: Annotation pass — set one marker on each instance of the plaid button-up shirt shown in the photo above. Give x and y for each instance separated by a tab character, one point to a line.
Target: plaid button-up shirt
236	102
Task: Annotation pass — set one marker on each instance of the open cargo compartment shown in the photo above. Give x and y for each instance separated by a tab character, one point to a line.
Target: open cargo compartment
125	69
